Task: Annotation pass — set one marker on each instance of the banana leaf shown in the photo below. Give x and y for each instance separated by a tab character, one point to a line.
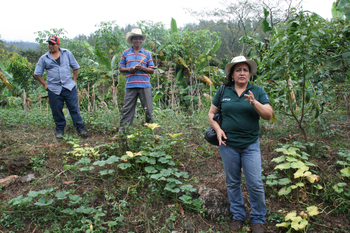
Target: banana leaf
174	26
4	76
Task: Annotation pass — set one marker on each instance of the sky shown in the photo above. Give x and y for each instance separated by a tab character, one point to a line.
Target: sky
20	19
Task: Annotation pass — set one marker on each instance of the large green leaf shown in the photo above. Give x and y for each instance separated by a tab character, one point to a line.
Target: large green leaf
284	191
4	76
344	6
124	166
150	169
44	201
313	210
102	59
61	195
89	47
186	199
284	181
114	61
265	24
217	45
283	166
345	172
299	223
174	26
335	12
271	182
158	96
172	187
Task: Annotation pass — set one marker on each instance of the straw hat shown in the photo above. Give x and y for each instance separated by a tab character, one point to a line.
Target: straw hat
240	59
135	32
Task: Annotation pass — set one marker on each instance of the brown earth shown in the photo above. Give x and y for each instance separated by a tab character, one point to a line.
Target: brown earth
19	140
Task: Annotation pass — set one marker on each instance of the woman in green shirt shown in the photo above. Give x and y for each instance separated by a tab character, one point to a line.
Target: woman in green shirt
242	105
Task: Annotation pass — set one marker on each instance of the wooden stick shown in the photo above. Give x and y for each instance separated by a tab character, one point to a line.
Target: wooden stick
141	61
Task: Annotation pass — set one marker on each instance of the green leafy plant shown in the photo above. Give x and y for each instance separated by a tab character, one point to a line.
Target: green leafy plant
296	221
296	167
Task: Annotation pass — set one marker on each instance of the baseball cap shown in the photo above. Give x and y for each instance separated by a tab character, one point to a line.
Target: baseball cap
54	39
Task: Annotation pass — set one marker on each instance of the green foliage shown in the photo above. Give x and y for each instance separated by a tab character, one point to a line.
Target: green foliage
22	73
296	167
5	53
294	62
340	192
343	7
5	77
300	221
109	39
152	168
32	55
44	35
157	35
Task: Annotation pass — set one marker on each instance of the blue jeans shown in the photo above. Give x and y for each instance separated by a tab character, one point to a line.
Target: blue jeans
250	160
57	103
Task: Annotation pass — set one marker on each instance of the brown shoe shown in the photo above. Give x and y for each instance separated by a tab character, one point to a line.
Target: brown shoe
257	228
236	226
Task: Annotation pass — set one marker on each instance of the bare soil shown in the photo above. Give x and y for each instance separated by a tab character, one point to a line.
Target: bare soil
19	140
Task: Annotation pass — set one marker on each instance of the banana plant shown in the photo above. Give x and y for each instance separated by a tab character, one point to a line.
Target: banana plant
5	76
103	62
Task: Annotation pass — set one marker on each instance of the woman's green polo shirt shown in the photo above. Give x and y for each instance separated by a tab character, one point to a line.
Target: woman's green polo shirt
240	121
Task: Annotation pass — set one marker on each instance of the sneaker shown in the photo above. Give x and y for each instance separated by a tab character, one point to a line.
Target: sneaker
236	226
83	133
257	228
59	135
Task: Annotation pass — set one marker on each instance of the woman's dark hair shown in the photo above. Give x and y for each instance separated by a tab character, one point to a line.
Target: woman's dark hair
230	81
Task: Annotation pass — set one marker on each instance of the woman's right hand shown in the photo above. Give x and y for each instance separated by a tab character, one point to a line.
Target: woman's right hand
221	137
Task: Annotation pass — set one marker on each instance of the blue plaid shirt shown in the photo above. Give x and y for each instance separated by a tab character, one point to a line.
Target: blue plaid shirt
58	76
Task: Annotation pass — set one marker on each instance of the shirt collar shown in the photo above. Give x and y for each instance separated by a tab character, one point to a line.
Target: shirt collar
141	50
49	55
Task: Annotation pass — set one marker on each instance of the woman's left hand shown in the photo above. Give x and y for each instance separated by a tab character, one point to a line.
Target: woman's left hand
250	98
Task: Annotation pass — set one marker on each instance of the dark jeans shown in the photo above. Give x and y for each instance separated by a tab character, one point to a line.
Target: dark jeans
130	101
57	103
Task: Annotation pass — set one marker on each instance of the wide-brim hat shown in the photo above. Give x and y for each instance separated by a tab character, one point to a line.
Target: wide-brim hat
240	59
134	32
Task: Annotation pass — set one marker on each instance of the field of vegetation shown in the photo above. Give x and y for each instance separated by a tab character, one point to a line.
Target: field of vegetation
149	179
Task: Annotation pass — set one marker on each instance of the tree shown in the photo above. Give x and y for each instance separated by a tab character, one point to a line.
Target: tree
241	18
279	10
295	66
32	55
5	52
187	53
22	73
109	39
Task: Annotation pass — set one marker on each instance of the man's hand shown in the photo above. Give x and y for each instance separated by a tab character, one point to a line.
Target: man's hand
132	70
136	68
139	67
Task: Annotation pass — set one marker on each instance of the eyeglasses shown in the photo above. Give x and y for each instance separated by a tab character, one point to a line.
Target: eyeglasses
50	43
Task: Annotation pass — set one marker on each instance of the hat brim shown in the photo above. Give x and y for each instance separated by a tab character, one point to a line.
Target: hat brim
251	64
129	35
53	41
